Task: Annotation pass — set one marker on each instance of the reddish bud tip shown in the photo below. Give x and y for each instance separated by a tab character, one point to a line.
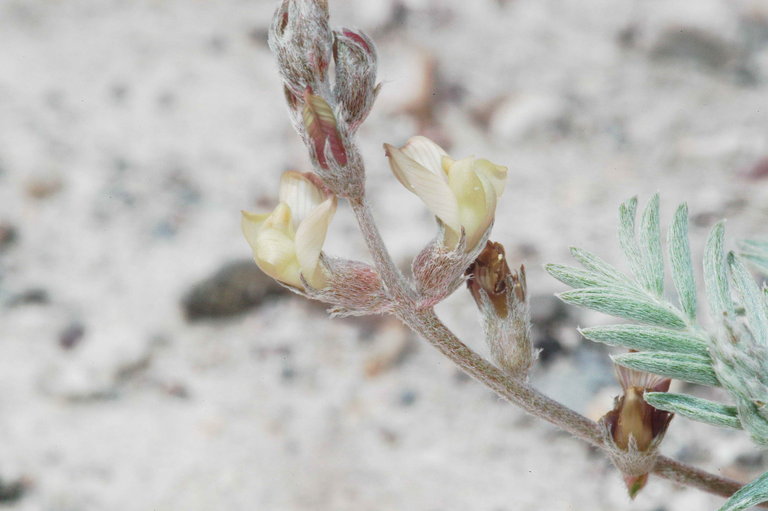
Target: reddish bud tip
320	123
357	38
635	484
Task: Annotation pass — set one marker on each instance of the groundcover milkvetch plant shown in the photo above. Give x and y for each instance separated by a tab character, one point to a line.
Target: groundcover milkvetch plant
665	340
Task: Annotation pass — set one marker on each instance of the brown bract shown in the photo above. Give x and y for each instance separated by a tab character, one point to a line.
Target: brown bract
635	427
490	273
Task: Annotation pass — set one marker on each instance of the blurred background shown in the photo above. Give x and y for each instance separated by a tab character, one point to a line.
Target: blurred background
146	364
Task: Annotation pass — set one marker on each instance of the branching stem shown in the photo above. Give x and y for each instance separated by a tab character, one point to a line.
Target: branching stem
426	323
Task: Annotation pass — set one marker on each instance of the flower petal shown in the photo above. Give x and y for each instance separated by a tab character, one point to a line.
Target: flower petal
275	253
476	198
271	238
310	237
274	250
496	174
281	219
425	152
300	194
250	223
430	187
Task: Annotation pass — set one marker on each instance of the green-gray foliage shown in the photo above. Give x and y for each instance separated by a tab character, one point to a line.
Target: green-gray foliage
680	366
668	338
695	408
648	338
750	495
756	252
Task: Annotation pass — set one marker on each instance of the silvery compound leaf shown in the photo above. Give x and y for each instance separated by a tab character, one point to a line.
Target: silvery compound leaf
715	274
628	240
750	495
650	248
756	252
695	408
625	304
681	366
591	262
578	278
647	338
752	299
680	261
752	419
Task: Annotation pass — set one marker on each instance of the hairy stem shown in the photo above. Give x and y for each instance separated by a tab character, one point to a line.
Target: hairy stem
426	323
393	279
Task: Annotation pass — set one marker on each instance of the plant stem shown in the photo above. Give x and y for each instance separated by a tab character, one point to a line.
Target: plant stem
692	476
426	323
429	326
393	279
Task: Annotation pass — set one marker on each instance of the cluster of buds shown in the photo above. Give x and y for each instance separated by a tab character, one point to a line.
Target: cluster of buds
633	429
501	296
326	116
462	194
287	243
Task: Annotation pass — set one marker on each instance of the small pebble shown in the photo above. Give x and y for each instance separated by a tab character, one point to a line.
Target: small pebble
407	397
233	289
71	335
8	236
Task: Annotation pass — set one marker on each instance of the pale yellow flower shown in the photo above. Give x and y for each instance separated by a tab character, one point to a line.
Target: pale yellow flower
461	193
286	243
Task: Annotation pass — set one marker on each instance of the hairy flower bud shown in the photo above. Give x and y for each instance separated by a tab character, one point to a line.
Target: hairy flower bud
322	130
353	289
461	193
287	243
355	87
501	296
633	429
302	41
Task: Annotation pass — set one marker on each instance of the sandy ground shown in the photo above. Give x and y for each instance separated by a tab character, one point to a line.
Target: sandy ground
132	133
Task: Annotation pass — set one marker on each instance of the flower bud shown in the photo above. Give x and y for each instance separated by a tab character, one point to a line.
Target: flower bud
461	193
302	42
355	86
287	243
634	429
501	296
353	289
322	130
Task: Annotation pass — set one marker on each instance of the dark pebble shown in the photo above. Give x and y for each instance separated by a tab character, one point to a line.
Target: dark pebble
288	373
697	47
8	236
33	296
12	491
71	335
407	397
232	290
